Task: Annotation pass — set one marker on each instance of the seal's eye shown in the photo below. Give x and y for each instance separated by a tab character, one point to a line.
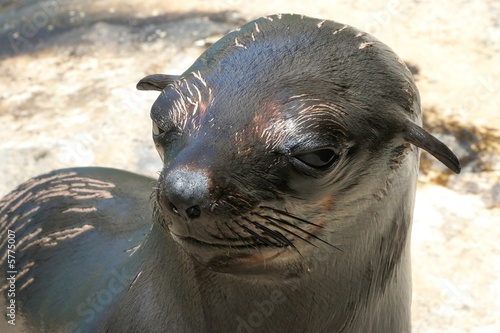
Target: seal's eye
157	131
321	158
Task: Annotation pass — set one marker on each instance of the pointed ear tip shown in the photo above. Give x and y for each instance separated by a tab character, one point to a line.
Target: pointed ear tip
156	82
457	168
146	84
447	157
140	85
422	139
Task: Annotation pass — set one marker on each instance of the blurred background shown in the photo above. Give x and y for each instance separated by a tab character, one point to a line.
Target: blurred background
68	71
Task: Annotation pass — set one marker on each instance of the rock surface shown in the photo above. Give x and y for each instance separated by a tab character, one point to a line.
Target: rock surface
68	71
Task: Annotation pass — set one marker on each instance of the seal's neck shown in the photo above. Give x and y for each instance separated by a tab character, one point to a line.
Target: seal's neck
344	292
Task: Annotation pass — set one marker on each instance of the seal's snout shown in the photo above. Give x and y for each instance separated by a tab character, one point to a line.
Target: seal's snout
185	192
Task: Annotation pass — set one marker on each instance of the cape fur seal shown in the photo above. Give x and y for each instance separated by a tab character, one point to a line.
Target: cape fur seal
284	204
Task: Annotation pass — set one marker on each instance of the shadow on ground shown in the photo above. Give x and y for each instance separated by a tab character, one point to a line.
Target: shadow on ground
30	26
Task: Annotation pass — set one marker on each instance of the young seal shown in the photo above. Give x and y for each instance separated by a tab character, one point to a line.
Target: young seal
284	204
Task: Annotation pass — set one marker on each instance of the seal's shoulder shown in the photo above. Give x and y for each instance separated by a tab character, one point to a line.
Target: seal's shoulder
79	198
72	223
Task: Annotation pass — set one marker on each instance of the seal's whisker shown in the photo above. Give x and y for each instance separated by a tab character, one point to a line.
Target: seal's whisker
231	205
222	234
256	235
238	200
279	237
260	176
290	232
152	197
235	233
272	219
154	204
241	181
282	212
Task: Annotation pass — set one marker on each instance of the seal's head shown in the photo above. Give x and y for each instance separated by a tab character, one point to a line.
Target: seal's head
287	135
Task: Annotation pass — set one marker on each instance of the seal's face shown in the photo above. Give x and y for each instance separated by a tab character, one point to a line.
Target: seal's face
269	135
244	184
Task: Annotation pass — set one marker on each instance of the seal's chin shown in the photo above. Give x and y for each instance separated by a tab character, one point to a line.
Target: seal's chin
238	259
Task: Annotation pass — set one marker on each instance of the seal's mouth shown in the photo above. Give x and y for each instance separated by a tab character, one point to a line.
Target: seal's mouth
191	241
258	242
232	258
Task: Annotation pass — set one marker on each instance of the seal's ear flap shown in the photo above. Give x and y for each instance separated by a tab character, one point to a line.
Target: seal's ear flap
156	82
419	137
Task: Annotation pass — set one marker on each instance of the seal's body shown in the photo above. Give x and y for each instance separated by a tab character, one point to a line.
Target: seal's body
284	205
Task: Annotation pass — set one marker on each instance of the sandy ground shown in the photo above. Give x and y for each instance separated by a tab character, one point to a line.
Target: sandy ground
68	99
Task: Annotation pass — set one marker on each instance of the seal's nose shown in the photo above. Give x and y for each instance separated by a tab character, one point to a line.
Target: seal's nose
186	191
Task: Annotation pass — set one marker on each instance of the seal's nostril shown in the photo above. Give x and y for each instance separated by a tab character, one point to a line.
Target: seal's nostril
174	209
186	190
193	211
